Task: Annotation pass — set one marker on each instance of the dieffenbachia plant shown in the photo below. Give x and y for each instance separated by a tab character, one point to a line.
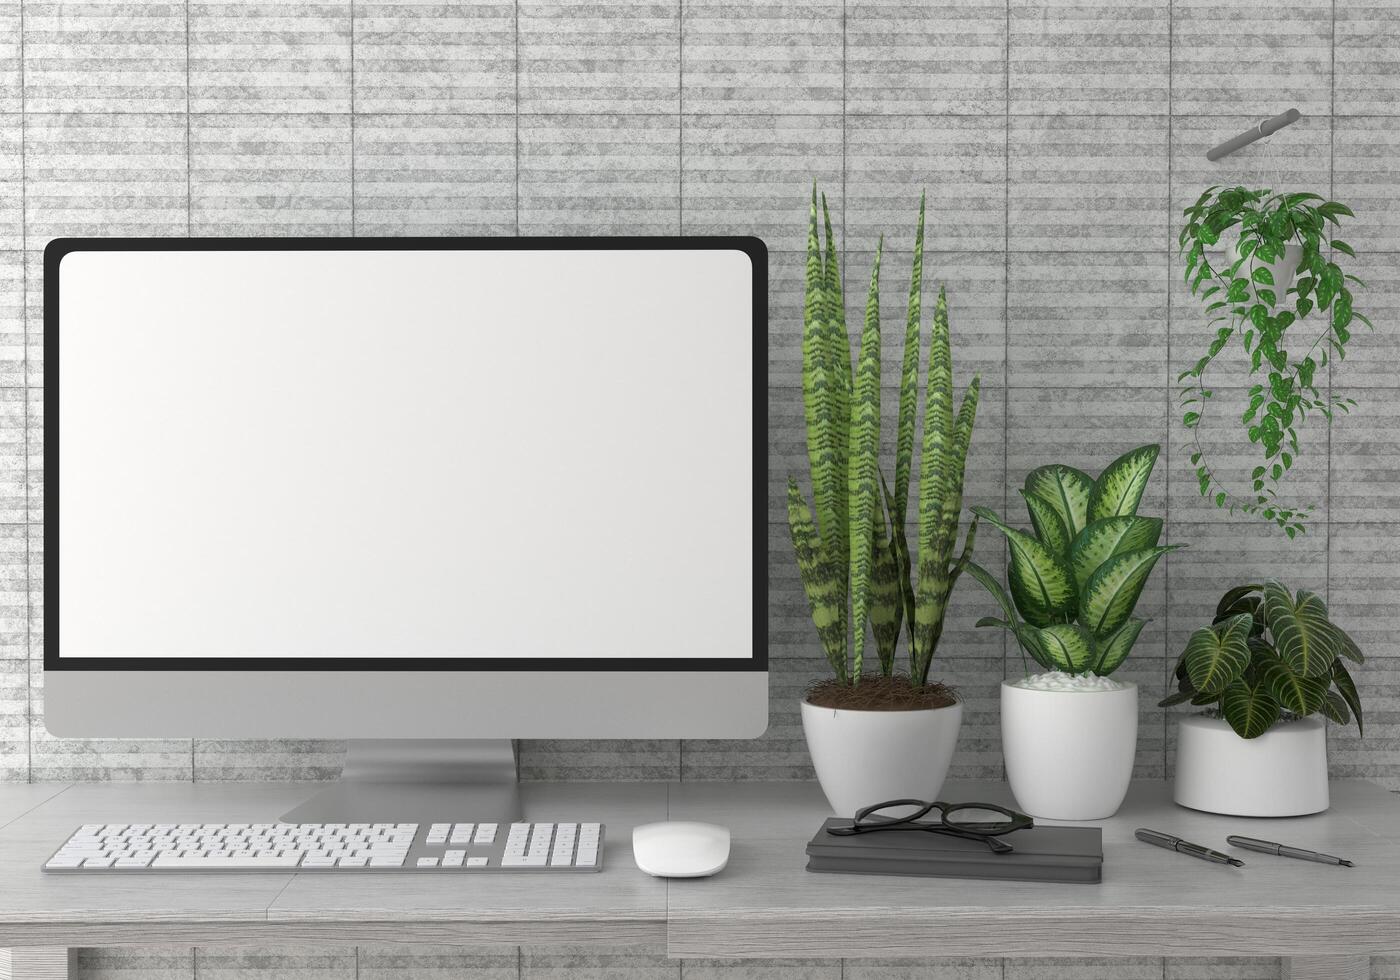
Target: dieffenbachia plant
854	558
1244	301
1266	652
1076	580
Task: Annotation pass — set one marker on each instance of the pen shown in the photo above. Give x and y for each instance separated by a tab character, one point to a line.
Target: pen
1283	850
1171	843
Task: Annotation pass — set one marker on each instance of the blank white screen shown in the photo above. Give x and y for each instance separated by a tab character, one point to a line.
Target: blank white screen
543	453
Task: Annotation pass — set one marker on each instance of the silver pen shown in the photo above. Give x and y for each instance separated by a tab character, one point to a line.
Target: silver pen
1284	850
1171	843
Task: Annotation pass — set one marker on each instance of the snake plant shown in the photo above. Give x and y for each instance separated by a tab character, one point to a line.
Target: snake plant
1267	652
1076	579
854	557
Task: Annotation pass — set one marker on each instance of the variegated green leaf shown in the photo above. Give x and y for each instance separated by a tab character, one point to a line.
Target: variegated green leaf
1067	490
1346	646
992	585
825	589
1109	536
825	398
1216	656
1068	645
1112	591
935	469
1335	708
1250	709
957	462
1114	648
886	612
1240	599
1048	527
1119	488
1341	677
864	470
1299	694
1041	581
909	378
1304	638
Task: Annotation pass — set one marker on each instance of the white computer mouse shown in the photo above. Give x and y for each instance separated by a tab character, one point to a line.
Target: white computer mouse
680	848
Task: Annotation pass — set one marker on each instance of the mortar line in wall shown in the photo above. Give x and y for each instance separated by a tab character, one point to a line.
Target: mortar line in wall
517	116
680	117
24	381
352	146
1006	315
1166	505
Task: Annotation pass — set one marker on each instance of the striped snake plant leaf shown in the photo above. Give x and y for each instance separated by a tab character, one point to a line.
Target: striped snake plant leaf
1341	677
1118	490
1069	646
909	377
1299	694
1249	708
1302	634
1042	583
864	469
957	462
1114	648
1067	489
1048	527
931	592
1216	656
900	544
1109	536
825	588
825	398
1113	590
886	602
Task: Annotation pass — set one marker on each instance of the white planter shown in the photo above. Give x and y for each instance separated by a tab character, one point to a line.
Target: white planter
1282	773
1069	754
865	757
1282	269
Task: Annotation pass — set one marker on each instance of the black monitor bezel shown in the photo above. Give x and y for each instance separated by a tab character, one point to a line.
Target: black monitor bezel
753	247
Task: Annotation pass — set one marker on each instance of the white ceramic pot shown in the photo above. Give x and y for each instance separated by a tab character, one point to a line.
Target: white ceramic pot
865	757
1069	754
1282	269
1282	773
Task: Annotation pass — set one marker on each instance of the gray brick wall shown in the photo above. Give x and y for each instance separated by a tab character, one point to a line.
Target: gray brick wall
1058	140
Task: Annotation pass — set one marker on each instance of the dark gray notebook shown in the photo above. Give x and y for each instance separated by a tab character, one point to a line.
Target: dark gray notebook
1070	854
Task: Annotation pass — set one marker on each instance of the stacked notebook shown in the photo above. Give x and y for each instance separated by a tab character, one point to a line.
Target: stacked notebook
1069	854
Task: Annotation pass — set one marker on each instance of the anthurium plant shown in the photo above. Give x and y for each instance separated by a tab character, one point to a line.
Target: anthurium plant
1269	654
1076	578
854	557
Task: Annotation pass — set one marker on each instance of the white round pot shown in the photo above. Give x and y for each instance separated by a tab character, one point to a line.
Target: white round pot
865	757
1069	754
1282	269
1282	773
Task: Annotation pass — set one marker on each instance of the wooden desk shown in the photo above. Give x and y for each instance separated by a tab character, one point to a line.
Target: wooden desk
1326	920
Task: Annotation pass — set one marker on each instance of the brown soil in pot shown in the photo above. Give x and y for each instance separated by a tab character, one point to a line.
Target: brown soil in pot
875	693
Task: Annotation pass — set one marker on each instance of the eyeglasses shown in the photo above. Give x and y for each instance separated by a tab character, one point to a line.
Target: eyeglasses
984	822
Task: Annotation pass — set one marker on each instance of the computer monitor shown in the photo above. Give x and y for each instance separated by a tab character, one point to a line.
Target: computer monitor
406	489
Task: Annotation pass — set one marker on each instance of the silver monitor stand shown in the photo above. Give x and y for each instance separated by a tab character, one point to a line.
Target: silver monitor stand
407	780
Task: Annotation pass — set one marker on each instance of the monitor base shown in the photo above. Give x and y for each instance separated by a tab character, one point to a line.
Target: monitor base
406	780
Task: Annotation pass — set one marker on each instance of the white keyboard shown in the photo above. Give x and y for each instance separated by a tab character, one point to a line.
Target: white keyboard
441	848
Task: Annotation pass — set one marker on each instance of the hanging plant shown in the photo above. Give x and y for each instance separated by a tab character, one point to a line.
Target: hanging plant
1255	297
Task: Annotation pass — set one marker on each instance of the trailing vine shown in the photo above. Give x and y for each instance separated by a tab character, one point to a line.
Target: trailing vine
1245	299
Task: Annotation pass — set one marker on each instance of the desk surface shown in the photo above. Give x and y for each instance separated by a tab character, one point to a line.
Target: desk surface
1151	902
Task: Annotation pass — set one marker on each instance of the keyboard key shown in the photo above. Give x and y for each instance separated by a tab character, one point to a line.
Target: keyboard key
453	859
427	862
477	862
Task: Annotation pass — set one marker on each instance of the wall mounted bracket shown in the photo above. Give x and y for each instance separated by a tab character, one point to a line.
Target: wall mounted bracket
1265	128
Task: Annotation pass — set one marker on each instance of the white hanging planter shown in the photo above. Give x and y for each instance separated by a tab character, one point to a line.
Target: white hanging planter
1069	753
1282	773
865	757
1282	270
